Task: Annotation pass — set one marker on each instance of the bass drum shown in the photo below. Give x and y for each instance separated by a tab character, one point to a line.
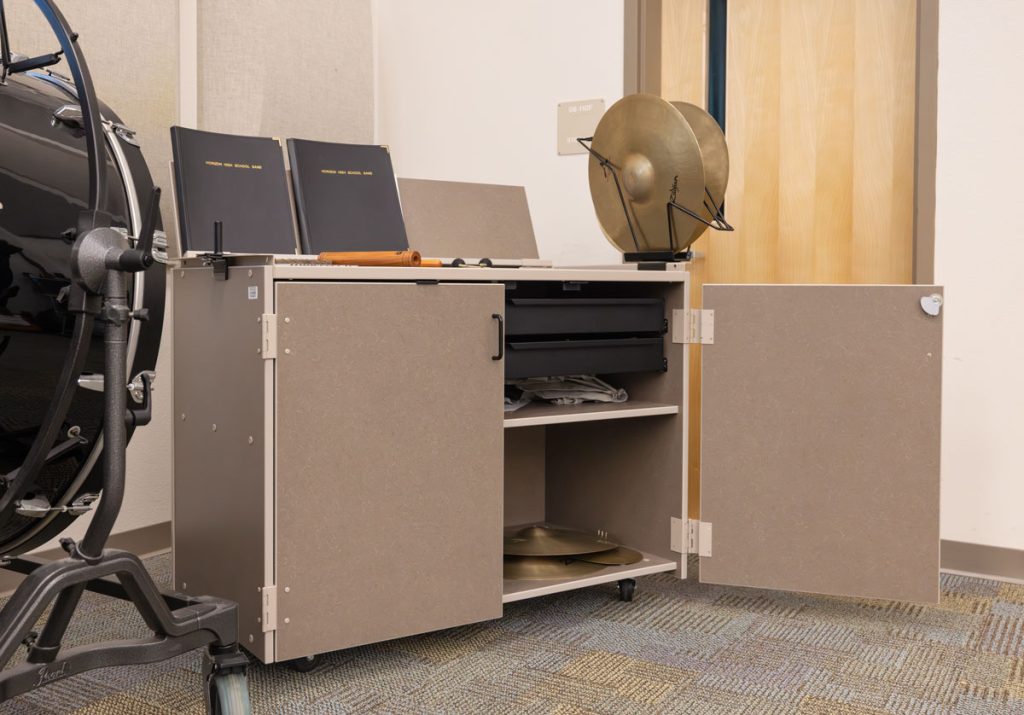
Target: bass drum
44	185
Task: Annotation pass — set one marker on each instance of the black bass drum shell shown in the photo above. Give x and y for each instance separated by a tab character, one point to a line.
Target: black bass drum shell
43	187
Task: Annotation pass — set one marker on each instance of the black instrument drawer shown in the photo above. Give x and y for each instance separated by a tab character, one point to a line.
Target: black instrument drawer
583	357
582	316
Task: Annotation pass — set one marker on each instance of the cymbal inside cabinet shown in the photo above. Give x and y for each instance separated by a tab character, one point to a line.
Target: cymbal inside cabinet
620	556
546	567
543	540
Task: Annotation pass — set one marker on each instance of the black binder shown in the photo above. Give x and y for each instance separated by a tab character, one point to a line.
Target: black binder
346	197
240	181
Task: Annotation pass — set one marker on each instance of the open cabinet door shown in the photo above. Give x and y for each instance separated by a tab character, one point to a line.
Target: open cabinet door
820	439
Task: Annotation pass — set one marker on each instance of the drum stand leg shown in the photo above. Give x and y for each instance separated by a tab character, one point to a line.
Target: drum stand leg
179	624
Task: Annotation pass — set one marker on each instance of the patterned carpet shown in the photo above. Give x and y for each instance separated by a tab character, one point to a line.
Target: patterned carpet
679	648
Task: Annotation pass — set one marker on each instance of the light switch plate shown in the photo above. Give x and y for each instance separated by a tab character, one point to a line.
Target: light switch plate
577	119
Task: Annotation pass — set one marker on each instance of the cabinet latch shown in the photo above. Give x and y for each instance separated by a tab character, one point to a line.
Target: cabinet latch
268	336
268	618
693	326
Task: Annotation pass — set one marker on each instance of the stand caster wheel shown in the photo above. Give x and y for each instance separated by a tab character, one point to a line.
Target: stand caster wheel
304	665
226	690
627	587
230	695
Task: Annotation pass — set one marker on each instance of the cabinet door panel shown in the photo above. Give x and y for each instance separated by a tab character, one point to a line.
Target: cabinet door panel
820	447
389	461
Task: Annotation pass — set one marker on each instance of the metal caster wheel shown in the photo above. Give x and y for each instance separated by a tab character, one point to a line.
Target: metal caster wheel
627	587
230	695
304	665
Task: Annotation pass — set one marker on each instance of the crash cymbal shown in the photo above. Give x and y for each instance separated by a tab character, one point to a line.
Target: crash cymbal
616	557
550	541
654	150
546	567
715	156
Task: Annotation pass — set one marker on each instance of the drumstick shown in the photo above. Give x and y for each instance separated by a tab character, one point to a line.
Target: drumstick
372	258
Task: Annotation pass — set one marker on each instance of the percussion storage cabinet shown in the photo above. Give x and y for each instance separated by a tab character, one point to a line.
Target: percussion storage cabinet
343	468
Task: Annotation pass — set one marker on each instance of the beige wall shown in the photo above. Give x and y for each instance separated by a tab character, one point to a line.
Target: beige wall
979	252
468	91
302	68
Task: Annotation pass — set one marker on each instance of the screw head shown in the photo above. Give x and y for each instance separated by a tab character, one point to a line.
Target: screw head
287	320
184	585
287	589
213	427
250	273
251	639
287	620
183	416
251	440
287	351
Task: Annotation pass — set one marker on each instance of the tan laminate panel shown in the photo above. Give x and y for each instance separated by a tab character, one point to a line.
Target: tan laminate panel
524	475
218	474
627	477
448	219
389	461
820	454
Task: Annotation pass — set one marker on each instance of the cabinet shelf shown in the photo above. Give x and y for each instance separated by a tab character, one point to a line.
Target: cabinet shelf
522	589
542	413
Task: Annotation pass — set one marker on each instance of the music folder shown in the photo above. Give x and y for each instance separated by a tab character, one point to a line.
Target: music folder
238	180
346	197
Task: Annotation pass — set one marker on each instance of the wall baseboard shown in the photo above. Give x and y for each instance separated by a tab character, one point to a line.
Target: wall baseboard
145	541
986	561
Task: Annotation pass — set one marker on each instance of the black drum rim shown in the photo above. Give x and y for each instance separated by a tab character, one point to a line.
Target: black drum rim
101	139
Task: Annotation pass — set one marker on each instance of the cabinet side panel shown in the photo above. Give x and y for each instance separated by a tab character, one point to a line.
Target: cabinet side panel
219	524
389	461
820	454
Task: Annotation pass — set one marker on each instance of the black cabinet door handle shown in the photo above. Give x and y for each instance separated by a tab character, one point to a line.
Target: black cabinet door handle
501	336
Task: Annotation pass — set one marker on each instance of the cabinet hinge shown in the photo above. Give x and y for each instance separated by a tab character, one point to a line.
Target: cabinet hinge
268	619
268	336
698	537
691	536
678	536
692	326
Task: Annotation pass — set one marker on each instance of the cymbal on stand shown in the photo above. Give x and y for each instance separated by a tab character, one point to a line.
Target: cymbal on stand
714	155
657	158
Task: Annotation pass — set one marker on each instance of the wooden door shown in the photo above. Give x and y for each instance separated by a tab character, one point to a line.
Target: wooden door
389	461
820	460
820	118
